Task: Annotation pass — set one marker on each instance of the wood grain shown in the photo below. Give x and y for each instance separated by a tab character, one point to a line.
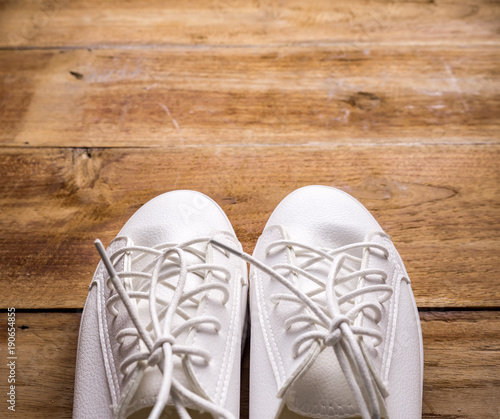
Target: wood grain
232	96
85	23
461	371
439	203
462	364
104	105
46	347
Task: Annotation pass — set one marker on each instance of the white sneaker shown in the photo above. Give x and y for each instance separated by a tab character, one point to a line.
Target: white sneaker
335	328
162	326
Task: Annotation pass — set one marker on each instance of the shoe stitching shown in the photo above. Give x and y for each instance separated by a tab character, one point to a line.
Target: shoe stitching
103	332
230	344
388	331
329	408
219	398
265	322
264	319
205	305
107	342
393	318
235	321
115	245
127	394
225	369
394	323
388	245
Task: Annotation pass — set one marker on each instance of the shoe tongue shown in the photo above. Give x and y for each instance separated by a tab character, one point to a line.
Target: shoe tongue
322	390
146	393
165	288
321	270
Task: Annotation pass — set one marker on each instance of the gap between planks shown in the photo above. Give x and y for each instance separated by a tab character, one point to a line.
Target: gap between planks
337	45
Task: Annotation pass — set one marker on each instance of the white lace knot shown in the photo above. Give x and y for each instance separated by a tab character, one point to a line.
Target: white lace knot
156	354
335	332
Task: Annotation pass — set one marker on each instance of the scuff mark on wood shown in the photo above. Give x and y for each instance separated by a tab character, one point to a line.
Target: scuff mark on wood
365	101
76	75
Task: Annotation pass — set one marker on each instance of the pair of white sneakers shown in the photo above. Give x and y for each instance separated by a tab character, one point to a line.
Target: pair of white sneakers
335	331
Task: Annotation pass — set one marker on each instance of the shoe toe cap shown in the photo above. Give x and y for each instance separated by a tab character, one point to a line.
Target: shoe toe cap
175	217
323	216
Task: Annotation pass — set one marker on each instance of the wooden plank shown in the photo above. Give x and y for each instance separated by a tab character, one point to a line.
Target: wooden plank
232	22
462	364
46	346
239	96
439	203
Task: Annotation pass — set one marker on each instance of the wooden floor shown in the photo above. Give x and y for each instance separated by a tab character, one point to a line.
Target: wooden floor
104	105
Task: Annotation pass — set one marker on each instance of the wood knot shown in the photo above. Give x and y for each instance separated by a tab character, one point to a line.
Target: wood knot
364	100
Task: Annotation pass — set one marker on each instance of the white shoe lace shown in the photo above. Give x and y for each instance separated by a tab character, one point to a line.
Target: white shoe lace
168	261
336	329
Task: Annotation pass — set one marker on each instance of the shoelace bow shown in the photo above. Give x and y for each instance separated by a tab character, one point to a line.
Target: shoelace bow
161	350
339	332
